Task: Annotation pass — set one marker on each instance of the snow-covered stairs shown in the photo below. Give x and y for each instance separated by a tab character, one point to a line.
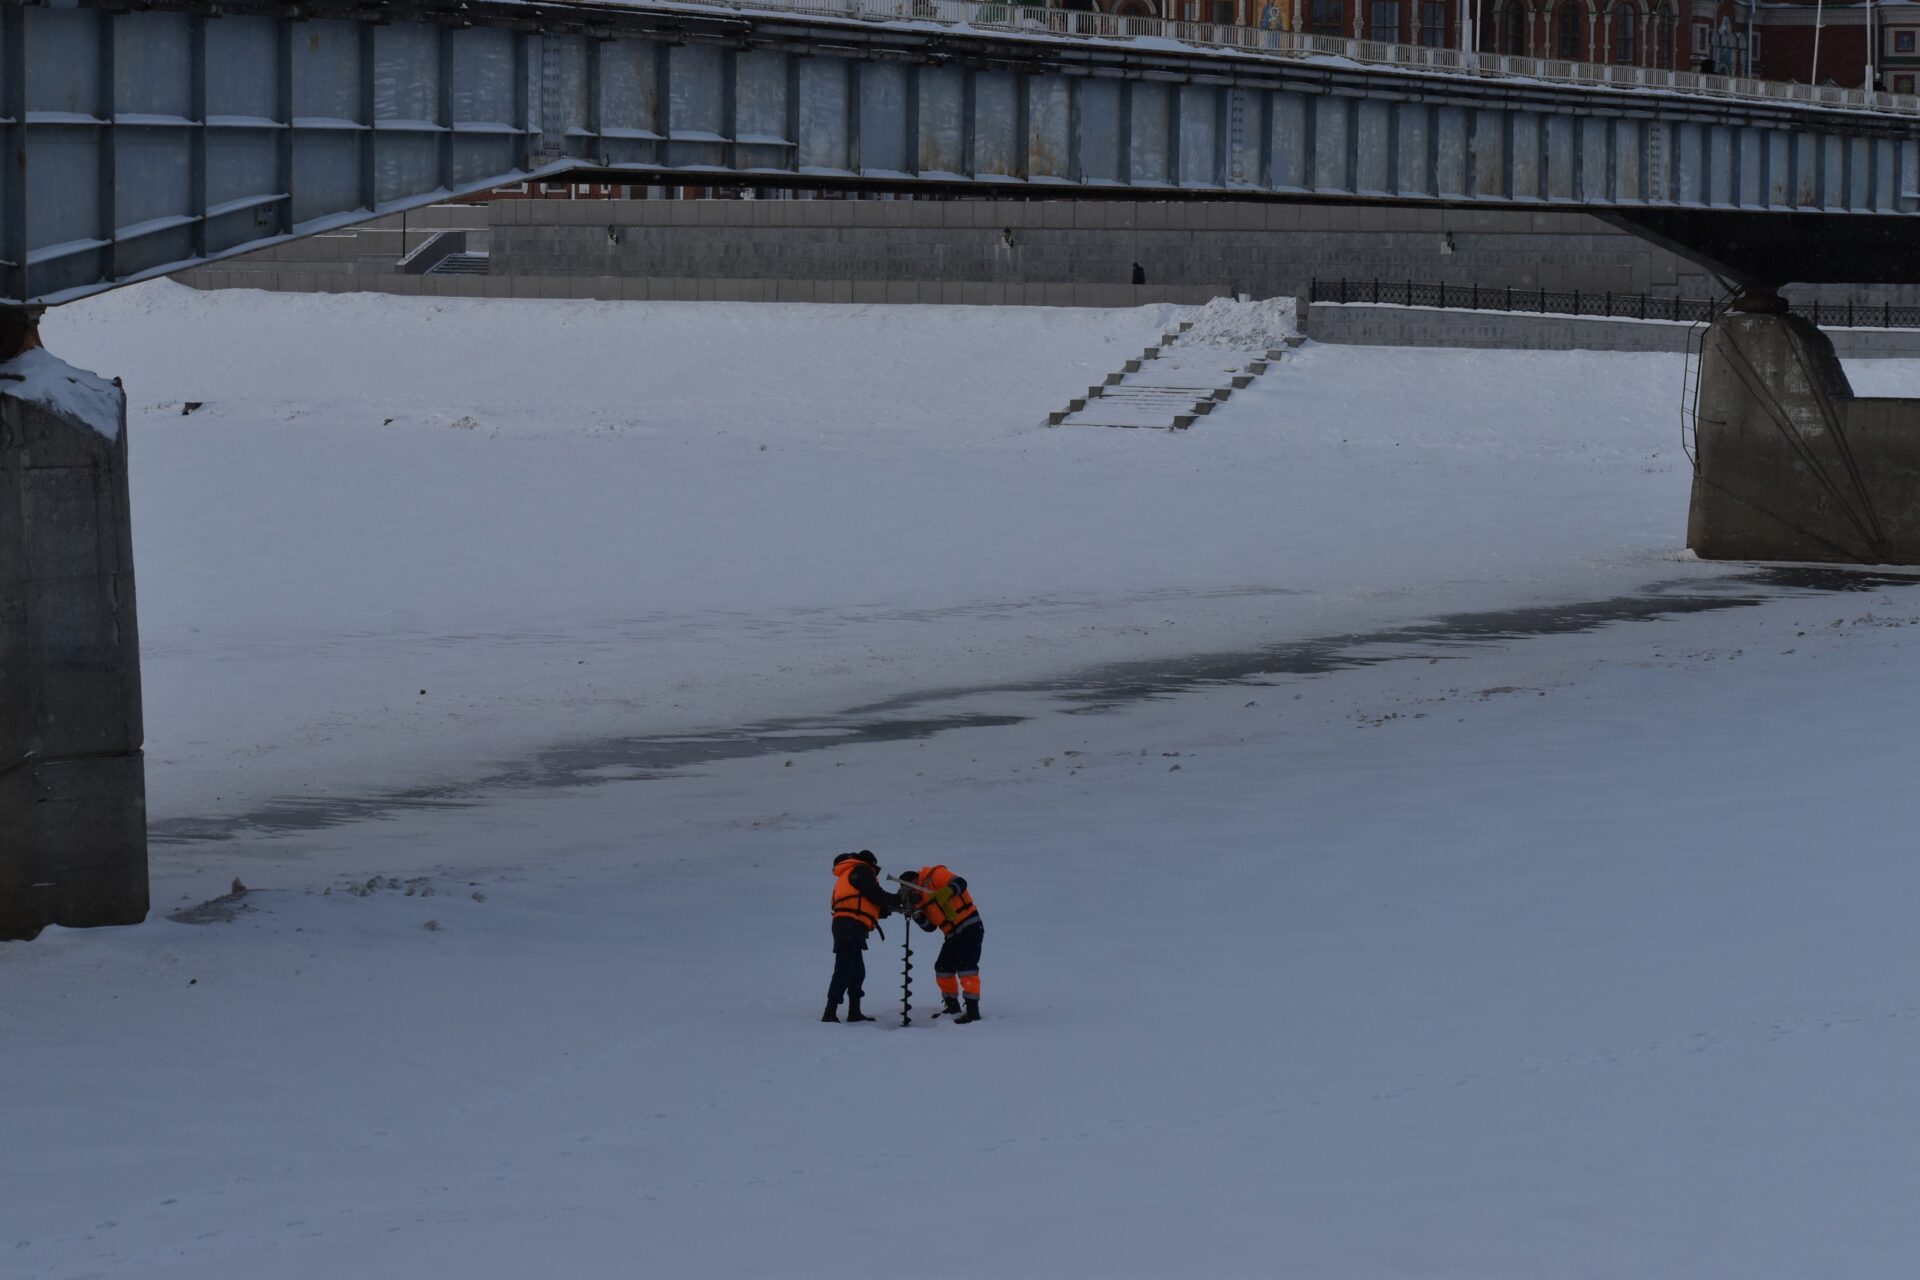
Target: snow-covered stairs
461	264
1169	386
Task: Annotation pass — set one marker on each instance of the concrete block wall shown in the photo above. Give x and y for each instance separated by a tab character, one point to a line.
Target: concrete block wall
1363	324
1038	252
371	249
1053	253
1262	249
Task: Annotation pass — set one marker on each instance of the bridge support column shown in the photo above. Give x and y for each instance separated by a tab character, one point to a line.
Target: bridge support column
1789	464
73	828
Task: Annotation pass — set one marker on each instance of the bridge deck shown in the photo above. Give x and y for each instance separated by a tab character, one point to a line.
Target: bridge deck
160	138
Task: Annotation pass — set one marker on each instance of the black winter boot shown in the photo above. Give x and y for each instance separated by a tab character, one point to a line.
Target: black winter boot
853	1010
972	1014
949	1004
832	1014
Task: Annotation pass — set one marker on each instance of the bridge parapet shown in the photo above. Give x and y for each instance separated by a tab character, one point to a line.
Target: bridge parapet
1030	21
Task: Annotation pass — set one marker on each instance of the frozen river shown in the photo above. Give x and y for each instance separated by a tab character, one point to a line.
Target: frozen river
1491	891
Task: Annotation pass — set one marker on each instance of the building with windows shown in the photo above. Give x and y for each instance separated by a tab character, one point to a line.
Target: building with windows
1829	43
1645	33
1774	41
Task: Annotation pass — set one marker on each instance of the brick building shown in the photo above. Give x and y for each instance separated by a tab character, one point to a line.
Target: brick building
1771	41
1846	29
1643	33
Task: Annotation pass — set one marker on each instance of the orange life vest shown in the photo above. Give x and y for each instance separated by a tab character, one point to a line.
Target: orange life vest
959	907
849	901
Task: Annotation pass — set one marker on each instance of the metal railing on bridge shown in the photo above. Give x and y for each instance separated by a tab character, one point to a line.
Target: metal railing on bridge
1600	304
1559	302
1036	20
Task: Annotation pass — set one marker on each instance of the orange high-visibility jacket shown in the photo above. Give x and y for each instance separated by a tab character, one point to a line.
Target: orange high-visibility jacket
959	906
848	901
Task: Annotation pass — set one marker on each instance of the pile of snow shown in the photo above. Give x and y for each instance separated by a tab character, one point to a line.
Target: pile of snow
1242	326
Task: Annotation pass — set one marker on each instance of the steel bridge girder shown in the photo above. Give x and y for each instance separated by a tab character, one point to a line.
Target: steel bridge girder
152	140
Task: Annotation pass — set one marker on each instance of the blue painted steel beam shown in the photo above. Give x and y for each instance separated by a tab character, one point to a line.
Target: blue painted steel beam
146	140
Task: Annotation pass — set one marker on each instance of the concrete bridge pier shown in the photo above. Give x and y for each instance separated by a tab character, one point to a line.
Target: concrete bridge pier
1788	463
73	826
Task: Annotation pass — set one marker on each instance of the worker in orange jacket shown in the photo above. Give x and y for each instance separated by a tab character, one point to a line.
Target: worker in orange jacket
859	905
938	899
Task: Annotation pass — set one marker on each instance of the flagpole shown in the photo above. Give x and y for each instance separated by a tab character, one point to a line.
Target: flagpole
1819	20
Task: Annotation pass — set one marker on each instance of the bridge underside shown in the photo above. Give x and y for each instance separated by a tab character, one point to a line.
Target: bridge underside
156	139
1767	250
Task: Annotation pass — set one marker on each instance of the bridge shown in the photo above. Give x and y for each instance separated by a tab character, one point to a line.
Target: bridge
145	136
154	136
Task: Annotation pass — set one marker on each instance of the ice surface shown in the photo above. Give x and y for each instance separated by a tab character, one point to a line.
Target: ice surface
568	520
1580	955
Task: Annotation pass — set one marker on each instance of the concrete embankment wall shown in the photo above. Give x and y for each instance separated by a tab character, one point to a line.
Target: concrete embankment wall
1053	253
1266	250
364	257
1368	325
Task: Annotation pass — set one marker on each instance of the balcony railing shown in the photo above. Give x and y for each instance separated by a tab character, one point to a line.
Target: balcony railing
1038	21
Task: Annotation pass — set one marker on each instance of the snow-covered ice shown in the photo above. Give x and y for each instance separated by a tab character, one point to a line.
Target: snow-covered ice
564	519
1585	953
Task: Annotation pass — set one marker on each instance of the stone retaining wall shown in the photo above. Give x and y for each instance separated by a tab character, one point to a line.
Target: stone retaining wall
1265	250
1056	253
1051	253
1365	324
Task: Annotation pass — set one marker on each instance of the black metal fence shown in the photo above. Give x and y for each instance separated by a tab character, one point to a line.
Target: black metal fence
1577	302
1558	302
1863	315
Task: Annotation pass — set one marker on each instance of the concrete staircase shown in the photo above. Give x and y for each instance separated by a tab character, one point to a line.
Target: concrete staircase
460	264
1171	385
